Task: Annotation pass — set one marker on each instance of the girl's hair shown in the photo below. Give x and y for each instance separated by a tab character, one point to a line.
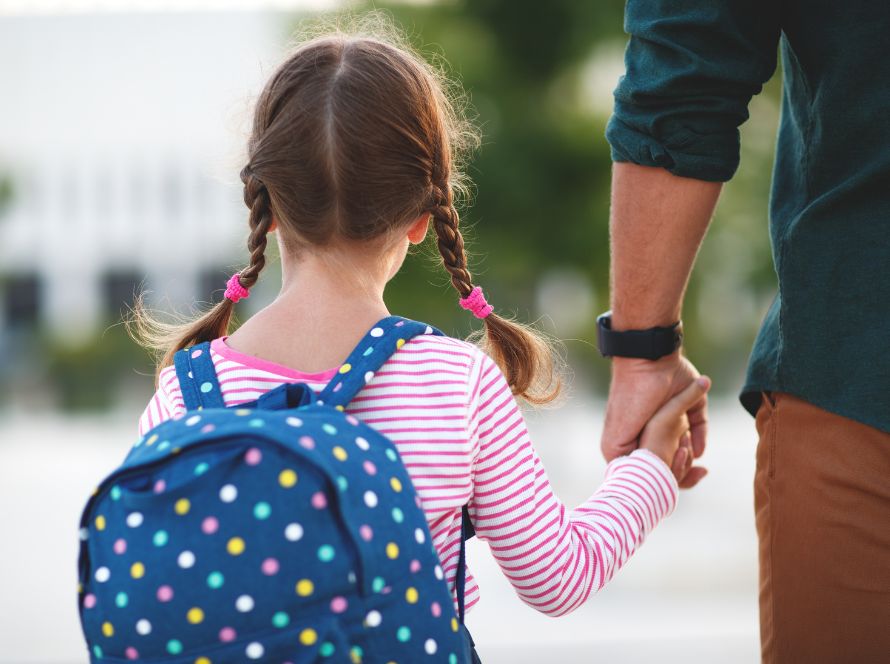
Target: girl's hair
354	137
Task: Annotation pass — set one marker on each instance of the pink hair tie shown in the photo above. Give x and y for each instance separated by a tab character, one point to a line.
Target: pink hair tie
475	302
234	290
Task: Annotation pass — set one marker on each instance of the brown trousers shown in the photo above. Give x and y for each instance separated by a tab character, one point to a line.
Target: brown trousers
822	501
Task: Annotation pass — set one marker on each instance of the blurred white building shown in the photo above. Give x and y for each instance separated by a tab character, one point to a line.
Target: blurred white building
123	134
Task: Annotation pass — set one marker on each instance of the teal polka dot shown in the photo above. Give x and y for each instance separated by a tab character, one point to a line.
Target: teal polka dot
206	387
115	492
215	580
262	510
326	649
163	445
121	600
329	428
377	584
403	634
97	651
368	351
202	468
256	422
174	646
160	538
342	483
452	659
397	515
391	455
281	619
326	553
356	653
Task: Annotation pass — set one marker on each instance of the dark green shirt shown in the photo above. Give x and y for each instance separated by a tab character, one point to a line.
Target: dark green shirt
692	68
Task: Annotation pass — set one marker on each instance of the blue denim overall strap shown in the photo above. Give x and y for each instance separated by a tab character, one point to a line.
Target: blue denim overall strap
375	348
197	378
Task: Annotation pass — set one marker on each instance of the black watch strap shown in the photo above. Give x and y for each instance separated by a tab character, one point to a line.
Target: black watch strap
649	344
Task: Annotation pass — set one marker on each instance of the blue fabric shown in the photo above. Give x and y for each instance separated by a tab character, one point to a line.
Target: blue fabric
280	531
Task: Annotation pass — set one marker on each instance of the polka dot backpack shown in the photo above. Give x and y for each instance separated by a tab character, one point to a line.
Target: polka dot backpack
283	530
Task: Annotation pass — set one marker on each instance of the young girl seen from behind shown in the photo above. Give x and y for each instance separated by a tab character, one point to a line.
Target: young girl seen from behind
354	156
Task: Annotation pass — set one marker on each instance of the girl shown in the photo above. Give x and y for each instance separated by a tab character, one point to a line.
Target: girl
352	157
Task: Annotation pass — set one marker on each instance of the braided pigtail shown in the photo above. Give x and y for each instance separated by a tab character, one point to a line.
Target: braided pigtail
527	358
167	338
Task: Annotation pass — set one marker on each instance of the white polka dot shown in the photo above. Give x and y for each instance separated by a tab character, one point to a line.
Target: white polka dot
438	573
377	332
193	420
294	421
293	532
370	499
244	603
428	330
228	493
84	534
368	376
373	619
362	444
191	375
134	519
430	647
255	650
419	536
143	627
351	577
103	574
186	559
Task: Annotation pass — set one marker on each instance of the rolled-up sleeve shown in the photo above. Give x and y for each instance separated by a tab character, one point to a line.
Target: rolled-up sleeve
692	67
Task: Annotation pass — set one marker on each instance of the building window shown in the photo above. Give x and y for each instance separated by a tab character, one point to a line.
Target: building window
119	290
21	300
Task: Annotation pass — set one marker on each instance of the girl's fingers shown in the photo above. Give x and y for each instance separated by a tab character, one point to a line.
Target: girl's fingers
678	467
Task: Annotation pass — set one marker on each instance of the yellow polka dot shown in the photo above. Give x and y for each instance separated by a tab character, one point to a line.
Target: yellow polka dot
287	478
308	637
392	550
345	368
395	484
152	439
108	629
242	411
339	453
79	588
100	522
454	624
305	587
182	506
340	408
235	546
137	570
202	660
411	595
176	450
356	657
195	615
400	343
96	491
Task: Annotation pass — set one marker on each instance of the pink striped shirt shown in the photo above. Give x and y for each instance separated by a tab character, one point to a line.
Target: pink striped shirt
449	411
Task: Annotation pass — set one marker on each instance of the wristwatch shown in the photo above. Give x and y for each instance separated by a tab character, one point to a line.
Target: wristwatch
649	344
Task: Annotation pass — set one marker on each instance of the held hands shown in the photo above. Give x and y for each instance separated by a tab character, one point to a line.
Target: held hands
640	392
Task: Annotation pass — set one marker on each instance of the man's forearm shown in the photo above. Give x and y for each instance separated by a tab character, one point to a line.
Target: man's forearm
657	224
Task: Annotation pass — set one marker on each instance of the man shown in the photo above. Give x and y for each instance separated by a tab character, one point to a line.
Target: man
819	374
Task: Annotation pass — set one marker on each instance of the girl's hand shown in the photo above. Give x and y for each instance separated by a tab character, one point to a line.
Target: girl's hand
667	434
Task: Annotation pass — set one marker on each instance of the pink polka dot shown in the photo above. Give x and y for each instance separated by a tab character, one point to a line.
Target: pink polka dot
307	442
319	502
270	566
160	486
196	353
352	420
386	590
366	532
89	601
227	634
210	525
436	609
120	546
415	565
207	428
370	468
165	594
253	456
131	653
339	604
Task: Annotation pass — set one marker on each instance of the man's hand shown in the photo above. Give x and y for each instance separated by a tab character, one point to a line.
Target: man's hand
638	390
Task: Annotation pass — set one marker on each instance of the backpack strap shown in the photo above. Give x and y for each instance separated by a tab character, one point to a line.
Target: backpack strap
197	378
466	532
377	346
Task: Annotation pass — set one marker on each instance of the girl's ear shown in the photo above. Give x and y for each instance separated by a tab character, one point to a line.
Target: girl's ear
417	230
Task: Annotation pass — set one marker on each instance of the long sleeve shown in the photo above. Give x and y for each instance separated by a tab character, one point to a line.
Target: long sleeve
162	406
554	558
692	67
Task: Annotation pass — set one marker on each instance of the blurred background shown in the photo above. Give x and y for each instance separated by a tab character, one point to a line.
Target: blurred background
122	129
